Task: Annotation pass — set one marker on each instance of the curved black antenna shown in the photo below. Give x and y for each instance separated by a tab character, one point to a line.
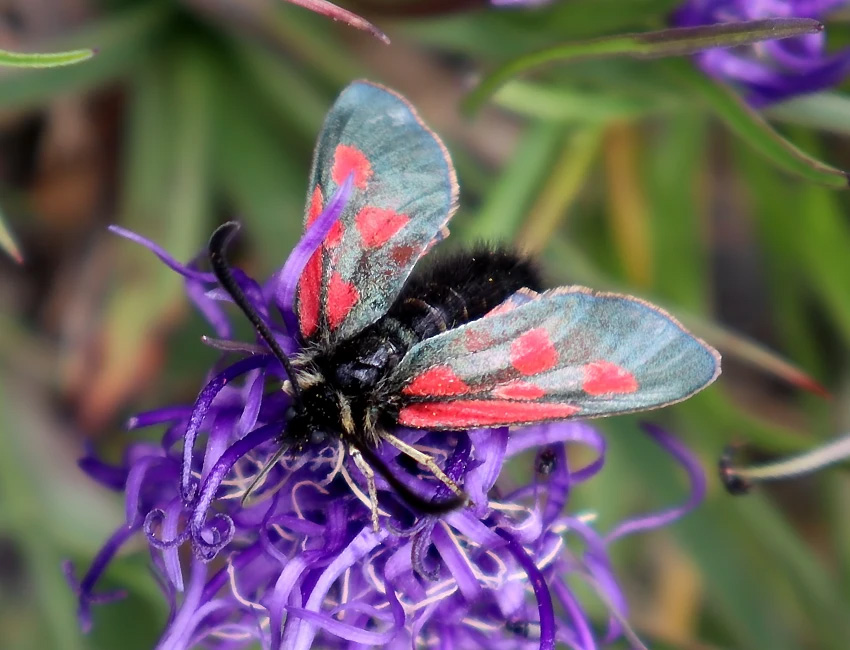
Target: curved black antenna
217	249
407	495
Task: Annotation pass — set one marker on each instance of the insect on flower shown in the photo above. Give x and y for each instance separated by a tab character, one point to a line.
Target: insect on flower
470	341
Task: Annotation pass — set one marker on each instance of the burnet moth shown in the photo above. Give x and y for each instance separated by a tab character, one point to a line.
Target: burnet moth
473	341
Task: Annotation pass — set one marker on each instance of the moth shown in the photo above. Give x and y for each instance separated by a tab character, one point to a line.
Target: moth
472	341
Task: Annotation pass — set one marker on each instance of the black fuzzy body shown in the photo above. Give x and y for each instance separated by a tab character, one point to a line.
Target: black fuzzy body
342	396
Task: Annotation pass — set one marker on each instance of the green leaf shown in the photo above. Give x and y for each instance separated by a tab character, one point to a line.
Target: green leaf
121	40
566	104
827	111
662	43
750	126
53	60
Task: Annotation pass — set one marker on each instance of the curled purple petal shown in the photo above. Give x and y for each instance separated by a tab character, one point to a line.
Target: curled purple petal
199	412
209	537
157	250
697	492
84	589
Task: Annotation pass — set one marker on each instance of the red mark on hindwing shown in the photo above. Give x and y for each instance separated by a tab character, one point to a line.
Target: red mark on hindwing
341	298
309	290
349	160
402	254
460	414
475	340
377	225
604	378
439	380
518	390
533	352
315	207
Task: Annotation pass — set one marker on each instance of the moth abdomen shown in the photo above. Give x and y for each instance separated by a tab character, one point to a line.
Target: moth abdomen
462	287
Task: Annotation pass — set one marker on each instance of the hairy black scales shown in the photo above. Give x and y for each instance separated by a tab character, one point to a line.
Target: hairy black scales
454	290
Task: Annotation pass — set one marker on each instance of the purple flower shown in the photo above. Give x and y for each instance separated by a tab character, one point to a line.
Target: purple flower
297	562
773	70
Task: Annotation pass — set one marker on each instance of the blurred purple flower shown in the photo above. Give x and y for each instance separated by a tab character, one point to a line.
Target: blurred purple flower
770	71
298	563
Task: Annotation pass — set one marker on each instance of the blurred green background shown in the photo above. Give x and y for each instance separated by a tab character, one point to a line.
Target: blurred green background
623	174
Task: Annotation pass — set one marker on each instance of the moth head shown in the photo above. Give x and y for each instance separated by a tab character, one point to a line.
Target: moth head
322	414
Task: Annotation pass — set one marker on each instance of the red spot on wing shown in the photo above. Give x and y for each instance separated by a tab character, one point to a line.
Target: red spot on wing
475	340
315	207
437	381
309	290
518	390
341	298
334	236
460	414
378	225
347	160
604	377
533	352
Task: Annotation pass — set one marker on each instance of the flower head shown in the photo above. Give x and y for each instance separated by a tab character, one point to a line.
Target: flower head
294	560
773	70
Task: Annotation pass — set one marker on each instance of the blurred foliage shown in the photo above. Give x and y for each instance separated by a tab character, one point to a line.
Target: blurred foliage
640	176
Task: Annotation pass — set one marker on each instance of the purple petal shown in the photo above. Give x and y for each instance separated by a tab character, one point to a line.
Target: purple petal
248	419
364	542
490	446
199	412
169	530
343	630
276	603
581	625
176	635
137	479
158	416
541	590
157	250
107	475
457	563
98	565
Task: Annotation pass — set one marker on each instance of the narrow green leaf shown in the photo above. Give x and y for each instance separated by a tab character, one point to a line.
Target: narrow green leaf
567	104
662	43
121	40
567	177
751	127
53	60
827	111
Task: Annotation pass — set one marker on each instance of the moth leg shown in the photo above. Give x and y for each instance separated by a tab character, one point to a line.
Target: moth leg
424	459
369	473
